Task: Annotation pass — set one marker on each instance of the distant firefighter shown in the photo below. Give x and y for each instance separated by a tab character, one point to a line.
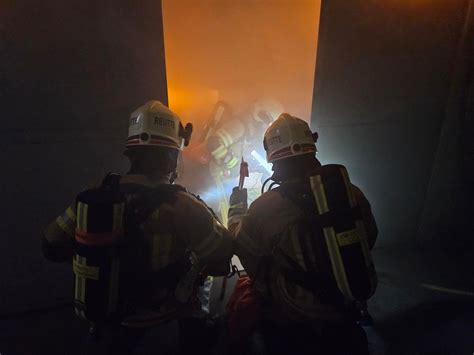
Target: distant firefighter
237	134
140	245
306	248
229	136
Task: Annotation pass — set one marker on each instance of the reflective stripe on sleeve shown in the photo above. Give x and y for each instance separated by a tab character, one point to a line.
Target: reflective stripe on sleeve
225	137
219	153
232	163
67	221
236	210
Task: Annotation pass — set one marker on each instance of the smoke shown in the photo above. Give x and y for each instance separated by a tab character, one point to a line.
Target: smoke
239	51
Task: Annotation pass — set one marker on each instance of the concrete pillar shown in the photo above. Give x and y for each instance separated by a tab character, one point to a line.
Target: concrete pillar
383	78
447	220
72	71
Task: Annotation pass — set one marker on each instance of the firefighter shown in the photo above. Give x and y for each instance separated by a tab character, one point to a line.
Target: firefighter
227	137
305	247
177	239
231	135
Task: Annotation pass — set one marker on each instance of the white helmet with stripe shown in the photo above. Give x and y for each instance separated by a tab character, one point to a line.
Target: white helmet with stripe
154	124
288	136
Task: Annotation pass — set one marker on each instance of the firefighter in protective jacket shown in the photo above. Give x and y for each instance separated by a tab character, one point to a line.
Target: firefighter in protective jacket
178	235
305	246
231	135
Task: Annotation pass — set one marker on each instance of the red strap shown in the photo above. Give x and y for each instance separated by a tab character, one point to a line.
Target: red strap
98	239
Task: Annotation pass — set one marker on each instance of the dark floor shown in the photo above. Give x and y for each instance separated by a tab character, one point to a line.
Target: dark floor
409	318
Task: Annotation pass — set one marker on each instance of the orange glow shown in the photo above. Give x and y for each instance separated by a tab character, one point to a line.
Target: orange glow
239	51
191	103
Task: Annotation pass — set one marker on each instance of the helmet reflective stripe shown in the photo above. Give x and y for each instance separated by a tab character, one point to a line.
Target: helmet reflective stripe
155	124
288	136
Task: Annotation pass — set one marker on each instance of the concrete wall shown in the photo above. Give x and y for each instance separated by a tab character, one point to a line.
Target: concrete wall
383	79
446	220
71	74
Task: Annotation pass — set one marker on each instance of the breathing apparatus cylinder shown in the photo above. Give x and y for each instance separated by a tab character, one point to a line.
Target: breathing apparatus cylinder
99	231
343	233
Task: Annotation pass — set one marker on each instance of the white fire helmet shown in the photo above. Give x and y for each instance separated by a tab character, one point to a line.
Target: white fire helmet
155	124
266	109
288	136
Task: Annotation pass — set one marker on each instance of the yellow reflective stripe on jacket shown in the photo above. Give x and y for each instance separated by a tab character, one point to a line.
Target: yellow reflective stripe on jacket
225	137
80	288
232	163
238	208
67	221
70	213
68	229
219	153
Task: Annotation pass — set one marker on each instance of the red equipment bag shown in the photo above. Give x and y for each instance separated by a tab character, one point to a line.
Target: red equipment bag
243	310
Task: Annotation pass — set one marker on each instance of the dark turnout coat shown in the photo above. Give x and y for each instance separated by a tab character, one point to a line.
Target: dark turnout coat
176	228
269	219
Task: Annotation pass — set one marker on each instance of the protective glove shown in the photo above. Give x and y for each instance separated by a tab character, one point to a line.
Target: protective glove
238	199
237	205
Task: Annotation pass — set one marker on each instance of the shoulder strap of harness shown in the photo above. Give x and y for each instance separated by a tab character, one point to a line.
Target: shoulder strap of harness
301	194
143	201
146	200
319	283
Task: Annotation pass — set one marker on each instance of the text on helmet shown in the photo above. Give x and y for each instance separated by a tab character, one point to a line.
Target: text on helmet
273	140
164	122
